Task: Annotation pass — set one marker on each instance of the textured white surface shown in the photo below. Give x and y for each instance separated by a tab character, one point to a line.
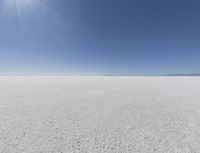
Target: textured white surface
99	114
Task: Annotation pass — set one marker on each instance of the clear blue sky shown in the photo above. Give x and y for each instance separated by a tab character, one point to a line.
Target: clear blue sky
99	37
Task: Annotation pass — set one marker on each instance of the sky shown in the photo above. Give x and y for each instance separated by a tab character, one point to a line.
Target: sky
99	37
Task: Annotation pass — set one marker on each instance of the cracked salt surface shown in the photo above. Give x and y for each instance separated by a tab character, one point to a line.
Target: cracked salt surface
99	114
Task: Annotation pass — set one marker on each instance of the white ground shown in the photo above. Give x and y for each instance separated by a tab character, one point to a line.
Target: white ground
99	114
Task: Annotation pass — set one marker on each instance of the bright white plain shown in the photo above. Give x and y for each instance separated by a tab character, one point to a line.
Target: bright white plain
100	114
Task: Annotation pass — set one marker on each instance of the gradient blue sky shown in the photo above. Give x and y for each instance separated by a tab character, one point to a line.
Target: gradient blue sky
98	37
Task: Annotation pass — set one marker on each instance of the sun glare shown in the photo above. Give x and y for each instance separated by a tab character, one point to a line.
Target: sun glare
22	12
23	2
17	3
13	11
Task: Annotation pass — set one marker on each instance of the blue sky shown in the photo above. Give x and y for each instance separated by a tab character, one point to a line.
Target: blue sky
97	37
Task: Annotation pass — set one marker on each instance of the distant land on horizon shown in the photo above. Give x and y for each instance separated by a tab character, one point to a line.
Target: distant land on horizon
173	74
190	74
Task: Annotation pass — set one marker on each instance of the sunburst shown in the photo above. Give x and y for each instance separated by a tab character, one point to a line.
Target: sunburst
22	13
18	2
14	10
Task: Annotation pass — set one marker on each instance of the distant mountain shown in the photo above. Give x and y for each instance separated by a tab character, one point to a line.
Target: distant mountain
189	74
176	74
